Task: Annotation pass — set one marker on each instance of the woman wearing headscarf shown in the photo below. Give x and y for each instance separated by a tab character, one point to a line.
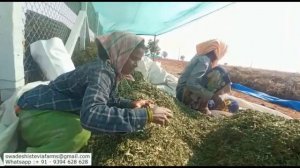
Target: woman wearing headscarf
90	92
203	79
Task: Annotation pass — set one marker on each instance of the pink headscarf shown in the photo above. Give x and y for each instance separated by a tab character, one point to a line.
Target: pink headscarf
119	46
217	46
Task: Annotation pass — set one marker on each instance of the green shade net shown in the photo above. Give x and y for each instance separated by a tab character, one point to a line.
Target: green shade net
151	18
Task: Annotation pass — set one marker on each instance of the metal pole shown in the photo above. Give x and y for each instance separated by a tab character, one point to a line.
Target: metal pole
97	25
84	27
154	47
76	32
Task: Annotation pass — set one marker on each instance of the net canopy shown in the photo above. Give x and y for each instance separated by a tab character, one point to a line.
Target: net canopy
151	18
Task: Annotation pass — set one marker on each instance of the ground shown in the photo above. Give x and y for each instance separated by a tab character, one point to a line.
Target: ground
175	67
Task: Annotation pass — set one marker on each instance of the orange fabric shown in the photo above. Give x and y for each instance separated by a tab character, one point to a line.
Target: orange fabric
215	45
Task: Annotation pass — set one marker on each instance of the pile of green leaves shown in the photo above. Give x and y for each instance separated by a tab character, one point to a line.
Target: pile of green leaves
247	138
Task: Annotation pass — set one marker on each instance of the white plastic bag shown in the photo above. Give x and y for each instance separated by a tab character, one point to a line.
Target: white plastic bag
52	57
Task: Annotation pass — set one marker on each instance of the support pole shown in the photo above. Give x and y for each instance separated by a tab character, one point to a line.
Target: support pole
84	27
154	47
12	47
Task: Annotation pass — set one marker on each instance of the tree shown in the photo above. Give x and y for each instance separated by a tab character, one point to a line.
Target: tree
164	54
182	57
153	48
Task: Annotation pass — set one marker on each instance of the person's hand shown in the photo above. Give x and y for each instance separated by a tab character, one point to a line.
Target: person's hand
161	115
17	109
142	103
219	103
206	111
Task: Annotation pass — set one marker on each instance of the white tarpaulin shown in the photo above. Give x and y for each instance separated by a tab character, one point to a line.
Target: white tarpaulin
155	74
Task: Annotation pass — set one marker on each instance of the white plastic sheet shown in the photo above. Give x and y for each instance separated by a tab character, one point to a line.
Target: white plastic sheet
155	74
248	105
9	121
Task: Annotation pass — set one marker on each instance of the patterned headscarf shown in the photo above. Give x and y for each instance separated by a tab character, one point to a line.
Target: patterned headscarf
119	46
217	46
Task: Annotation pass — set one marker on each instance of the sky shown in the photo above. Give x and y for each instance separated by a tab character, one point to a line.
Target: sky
262	35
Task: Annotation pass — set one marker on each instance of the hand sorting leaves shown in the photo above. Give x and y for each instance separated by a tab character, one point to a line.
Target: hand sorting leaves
142	103
161	115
